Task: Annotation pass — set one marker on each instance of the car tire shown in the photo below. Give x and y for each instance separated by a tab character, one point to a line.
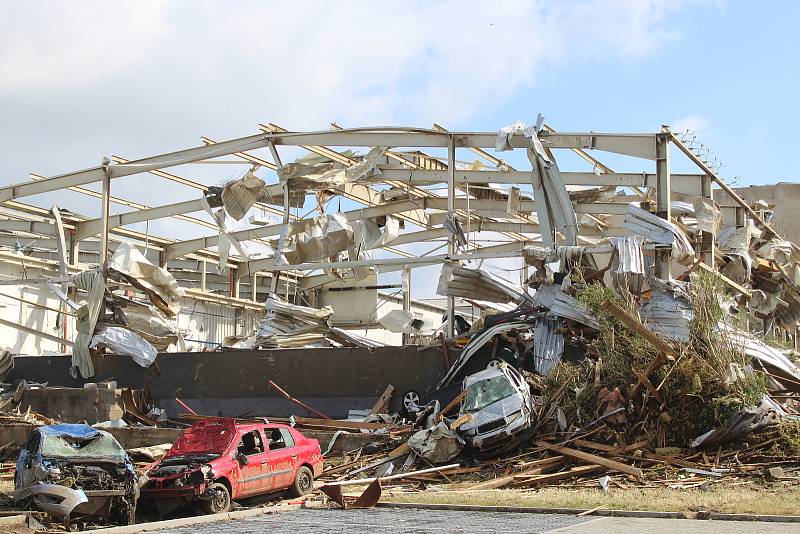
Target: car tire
220	502
411	403
303	482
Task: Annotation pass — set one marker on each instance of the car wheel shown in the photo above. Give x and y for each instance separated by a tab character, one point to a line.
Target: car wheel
303	482
220	500
411	402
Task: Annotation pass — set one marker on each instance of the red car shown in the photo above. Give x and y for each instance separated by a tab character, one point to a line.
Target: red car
217	460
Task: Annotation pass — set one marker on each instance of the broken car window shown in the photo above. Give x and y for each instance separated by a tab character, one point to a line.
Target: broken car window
276	440
287	437
486	392
96	446
251	443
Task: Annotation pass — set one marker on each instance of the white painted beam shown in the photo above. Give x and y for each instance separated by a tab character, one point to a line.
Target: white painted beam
180	248
94	226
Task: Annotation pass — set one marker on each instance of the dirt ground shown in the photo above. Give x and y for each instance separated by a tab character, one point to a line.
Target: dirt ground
774	499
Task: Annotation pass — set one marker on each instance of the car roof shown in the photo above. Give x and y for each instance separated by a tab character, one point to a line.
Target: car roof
73	430
236	423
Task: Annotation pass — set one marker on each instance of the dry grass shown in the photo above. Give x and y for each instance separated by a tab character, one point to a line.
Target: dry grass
779	499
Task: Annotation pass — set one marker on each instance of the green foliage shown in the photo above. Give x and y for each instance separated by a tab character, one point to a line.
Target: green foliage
696	395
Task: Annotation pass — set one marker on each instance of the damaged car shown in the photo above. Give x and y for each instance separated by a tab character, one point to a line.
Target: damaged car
218	460
76	473
497	407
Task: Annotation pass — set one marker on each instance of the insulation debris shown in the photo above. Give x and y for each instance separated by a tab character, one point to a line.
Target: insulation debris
307	176
457	281
659	231
239	195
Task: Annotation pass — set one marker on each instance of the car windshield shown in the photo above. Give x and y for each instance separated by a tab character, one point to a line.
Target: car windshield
485	392
95	446
203	440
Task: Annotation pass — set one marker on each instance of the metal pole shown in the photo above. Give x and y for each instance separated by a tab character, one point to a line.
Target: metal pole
663	257
707	238
406	295
105	212
451	207
277	274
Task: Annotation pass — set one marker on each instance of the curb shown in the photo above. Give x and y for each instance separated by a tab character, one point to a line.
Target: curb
197	520
598	513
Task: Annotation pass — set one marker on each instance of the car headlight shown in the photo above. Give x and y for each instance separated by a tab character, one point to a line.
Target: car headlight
513	417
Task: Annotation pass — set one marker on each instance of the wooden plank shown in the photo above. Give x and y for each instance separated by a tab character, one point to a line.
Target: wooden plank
634	324
383	400
504	481
402	450
609	448
733	285
450	405
561	475
466	418
355	425
591	458
669	460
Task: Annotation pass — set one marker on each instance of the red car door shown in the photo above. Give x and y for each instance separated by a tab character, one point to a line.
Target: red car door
254	474
282	457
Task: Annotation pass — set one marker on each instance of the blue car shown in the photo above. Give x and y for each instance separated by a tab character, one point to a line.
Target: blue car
76	473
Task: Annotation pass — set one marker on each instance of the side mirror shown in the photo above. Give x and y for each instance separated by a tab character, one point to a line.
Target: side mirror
241	458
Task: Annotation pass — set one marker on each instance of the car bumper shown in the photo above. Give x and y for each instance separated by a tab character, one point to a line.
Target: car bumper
171	493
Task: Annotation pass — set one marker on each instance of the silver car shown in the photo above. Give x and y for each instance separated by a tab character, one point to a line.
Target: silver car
501	403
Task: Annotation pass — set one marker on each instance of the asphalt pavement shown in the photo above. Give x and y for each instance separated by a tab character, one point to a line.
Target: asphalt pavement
371	521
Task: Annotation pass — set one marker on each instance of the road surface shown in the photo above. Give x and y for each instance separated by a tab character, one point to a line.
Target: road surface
418	521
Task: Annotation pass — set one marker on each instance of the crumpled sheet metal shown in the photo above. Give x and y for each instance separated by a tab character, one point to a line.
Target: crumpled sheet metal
367	499
569	308
630	270
548	345
86	319
458	281
772	359
658	230
323	237
123	341
149	323
475	344
743	422
157	282
225	240
554	208
288	324
301	175
405	322
708	215
668	312
239	195
437	444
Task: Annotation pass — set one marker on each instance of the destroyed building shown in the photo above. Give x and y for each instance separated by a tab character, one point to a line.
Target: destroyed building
318	255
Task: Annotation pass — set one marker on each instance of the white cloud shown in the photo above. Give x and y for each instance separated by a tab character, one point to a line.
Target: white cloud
312	61
695	124
83	80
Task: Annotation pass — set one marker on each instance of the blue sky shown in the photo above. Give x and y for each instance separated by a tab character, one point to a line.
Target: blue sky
79	81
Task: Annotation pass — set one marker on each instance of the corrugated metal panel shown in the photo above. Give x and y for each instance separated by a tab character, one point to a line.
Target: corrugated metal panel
548	345
209	323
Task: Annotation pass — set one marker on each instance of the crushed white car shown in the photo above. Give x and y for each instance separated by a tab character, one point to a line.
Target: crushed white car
501	405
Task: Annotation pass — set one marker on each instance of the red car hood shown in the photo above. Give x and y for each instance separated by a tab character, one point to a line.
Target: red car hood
203	439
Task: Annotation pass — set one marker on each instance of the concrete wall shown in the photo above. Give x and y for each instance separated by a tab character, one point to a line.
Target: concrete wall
231	383
74	405
786	198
